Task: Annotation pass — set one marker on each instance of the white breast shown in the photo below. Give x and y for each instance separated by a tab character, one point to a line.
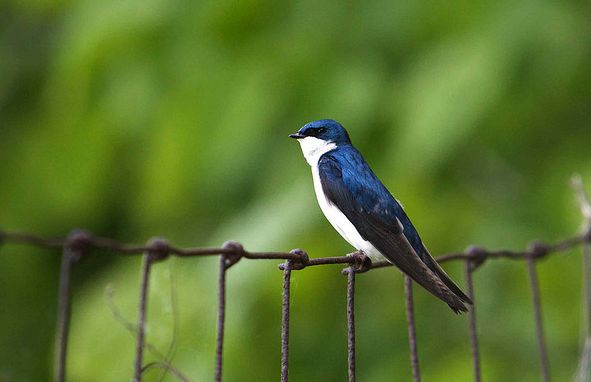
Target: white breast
313	149
340	222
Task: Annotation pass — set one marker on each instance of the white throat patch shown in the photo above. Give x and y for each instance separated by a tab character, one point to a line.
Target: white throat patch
313	148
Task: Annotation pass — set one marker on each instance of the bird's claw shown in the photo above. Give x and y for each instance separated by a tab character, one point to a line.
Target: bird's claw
362	263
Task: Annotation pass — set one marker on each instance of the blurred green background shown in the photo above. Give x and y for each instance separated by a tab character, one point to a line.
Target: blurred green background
141	118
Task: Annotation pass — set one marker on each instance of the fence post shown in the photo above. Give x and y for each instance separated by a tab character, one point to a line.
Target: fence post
158	250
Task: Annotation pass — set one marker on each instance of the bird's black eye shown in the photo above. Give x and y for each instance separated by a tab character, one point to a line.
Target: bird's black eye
314	132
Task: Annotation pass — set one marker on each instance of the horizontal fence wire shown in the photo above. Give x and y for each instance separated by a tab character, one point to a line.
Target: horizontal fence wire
80	243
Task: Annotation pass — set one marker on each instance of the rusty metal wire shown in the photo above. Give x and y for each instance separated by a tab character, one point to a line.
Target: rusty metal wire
537	307
469	267
584	368
226	261
412	331
219	350
350	272
72	252
81	243
158	250
143	306
285	321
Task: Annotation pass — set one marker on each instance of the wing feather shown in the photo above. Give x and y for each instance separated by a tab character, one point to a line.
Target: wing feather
377	217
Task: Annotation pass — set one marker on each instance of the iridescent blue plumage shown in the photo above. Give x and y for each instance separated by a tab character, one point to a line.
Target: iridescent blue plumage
344	165
361	208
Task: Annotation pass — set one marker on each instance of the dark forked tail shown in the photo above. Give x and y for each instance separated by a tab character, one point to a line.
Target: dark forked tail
424	270
436	268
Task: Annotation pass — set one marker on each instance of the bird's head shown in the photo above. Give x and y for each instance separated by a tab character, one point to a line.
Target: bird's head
326	130
319	137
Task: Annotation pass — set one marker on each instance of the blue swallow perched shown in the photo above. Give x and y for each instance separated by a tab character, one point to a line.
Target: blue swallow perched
364	212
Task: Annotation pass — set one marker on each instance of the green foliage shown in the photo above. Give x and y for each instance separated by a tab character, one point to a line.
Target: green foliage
140	118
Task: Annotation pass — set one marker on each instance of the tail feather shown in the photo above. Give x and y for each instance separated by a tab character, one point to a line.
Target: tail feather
436	268
425	271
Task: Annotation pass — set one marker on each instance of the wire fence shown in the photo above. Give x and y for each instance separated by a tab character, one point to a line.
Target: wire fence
79	243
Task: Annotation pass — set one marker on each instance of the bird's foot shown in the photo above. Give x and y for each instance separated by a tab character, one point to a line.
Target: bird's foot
361	262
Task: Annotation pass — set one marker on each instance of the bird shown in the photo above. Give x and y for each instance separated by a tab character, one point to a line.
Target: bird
364	212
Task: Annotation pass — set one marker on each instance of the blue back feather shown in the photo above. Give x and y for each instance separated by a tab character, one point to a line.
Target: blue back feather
367	191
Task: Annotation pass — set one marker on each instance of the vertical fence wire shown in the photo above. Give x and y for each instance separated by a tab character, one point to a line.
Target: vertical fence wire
585	358
412	334
584	366
141	321
587	284
156	249
351	323
69	256
226	261
537	307
468	269
285	321
219	350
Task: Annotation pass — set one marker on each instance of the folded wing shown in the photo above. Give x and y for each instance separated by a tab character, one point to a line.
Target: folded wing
380	219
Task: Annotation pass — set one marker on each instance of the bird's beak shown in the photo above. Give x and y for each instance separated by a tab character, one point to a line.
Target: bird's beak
297	136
